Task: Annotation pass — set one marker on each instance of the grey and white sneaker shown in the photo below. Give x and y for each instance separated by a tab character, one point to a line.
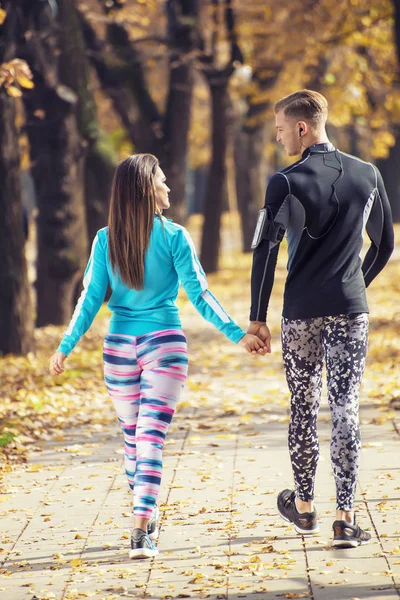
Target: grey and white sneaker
152	525
304	523
141	545
346	535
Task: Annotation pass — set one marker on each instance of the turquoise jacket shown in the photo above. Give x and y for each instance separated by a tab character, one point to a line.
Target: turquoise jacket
170	260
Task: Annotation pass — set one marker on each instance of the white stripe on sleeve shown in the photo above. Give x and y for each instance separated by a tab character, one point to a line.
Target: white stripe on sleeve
195	261
217	308
86	282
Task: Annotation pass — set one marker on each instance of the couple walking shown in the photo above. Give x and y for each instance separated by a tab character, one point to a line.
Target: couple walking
322	203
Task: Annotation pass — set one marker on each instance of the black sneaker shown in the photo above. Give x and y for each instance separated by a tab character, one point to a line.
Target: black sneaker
304	523
141	545
346	535
152	525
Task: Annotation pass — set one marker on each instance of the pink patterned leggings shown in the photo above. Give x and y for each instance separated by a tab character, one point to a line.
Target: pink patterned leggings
144	377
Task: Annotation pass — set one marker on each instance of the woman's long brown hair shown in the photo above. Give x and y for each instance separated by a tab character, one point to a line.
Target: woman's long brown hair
131	217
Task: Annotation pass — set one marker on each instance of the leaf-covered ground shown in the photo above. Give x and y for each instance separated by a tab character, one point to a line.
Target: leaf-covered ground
66	513
36	406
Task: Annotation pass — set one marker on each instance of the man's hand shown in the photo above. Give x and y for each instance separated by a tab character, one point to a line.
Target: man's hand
261	330
253	344
57	363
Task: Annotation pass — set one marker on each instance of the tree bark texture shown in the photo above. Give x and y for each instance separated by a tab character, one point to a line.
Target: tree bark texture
120	70
251	179
184	38
57	169
100	157
177	120
251	166
390	166
218	79
16	320
390	172
213	207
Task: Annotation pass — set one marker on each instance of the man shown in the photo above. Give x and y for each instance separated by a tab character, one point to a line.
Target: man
323	202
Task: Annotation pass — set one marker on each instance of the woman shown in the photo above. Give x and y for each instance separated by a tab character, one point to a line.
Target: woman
143	257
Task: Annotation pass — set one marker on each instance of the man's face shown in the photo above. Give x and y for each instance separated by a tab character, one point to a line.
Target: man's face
287	133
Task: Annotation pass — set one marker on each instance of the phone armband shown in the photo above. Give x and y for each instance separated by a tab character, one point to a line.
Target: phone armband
267	229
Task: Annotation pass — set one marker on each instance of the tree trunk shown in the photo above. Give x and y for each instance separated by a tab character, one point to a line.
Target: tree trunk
251	167
251	179
184	38
99	172
101	159
113	80
176	137
16	323
389	169
210	241
222	118
396	4
57	169
148	136
121	73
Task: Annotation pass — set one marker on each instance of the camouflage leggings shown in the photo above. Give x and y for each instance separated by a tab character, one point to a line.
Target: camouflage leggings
343	340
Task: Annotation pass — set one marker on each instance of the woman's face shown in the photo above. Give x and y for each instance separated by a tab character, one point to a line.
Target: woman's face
162	190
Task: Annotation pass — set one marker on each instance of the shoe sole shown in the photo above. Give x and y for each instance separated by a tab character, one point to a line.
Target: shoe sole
349	543
299	529
142	553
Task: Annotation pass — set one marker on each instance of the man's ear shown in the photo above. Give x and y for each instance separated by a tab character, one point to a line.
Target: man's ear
301	128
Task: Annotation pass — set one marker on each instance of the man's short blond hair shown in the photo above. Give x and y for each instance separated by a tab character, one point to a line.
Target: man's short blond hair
304	105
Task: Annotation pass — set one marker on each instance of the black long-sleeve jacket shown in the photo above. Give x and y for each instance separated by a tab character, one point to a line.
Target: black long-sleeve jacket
325	201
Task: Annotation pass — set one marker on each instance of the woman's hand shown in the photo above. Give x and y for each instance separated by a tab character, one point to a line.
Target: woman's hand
253	344
261	330
57	363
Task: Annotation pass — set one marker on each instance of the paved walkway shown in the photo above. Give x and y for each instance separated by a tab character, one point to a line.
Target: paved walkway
66	515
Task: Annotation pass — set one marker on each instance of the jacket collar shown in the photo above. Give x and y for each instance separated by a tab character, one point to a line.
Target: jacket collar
318	149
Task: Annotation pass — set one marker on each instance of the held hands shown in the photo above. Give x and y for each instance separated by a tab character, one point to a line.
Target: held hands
261	330
57	363
253	344
257	340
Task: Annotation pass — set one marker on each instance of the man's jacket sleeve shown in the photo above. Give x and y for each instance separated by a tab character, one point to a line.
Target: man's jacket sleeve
194	281
265	255
380	231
